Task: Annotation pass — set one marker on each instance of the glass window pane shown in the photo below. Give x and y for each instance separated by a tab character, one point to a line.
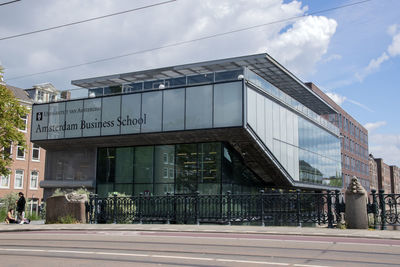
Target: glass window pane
201	78
111	110
106	165
209	158
228	104
145	189
199	107
56	120
143	166
227	75
164	171
186	168
73	118
91	123
131	119
151	111
124	165
163	189
174	110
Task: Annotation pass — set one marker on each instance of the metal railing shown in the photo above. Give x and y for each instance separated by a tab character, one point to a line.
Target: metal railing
289	208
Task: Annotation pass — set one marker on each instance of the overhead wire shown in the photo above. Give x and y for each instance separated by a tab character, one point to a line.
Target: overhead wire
188	41
9	2
85	20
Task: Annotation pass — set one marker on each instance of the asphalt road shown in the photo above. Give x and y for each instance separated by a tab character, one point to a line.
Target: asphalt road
136	248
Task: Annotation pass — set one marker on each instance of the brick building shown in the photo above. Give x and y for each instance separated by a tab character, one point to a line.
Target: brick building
27	169
373	173
354	142
384	179
395	179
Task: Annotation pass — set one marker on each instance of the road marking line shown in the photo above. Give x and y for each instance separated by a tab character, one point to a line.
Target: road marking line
181	257
254	262
156	256
307	265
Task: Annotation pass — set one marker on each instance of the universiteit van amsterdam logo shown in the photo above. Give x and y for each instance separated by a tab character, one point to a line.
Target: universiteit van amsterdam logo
39	116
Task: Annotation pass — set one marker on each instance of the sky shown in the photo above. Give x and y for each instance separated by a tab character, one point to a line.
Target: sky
351	53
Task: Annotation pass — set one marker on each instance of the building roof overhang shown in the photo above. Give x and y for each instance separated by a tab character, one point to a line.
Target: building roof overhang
262	64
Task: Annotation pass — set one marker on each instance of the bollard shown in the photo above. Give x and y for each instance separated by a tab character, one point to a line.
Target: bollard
356	205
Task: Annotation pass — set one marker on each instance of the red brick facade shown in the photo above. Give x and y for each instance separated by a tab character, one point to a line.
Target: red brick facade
354	142
27	170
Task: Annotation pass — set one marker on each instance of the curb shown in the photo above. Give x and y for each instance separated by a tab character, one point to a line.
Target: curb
40	228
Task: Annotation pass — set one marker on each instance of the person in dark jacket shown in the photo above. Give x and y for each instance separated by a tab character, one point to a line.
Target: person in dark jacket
21	207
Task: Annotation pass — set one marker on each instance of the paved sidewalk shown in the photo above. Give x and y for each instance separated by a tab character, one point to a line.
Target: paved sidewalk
309	231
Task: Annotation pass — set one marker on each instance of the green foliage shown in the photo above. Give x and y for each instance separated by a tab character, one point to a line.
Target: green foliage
58	192
3	214
9	201
79	191
69	219
11	112
121	209
33	216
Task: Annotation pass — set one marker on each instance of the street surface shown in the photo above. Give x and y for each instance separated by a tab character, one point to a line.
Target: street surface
152	248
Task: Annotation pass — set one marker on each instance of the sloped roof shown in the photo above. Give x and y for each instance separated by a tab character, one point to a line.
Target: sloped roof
20	94
262	64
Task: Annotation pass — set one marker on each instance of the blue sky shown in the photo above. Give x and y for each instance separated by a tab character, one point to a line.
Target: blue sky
351	53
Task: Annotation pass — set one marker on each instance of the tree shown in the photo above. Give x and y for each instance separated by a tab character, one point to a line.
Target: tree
11	113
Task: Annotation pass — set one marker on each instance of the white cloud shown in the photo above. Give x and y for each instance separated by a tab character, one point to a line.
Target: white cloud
332	57
393	50
386	146
359	104
299	45
370	126
304	44
338	99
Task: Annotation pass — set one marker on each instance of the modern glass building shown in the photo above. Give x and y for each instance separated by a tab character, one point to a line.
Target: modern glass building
239	124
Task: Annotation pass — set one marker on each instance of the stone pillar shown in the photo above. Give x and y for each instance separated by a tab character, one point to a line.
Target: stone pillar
71	205
356	205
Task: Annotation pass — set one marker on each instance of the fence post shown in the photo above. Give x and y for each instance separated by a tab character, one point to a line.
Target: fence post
168	211
228	204
298	207
330	215
383	209
96	206
197	206
262	207
91	200
375	207
140	208
337	206
115	209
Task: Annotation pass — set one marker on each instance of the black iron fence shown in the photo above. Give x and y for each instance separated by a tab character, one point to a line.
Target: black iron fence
276	209
290	208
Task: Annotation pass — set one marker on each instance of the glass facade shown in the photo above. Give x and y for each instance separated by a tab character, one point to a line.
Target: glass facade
209	168
308	152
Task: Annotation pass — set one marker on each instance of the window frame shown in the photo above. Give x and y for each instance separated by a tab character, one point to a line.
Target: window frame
34	149
37	180
22	179
26	123
8	183
17	156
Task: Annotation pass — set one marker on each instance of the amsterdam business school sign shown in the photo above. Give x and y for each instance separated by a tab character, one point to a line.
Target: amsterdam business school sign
92	117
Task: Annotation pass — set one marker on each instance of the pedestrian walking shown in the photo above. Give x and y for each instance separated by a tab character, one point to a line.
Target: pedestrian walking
21	208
